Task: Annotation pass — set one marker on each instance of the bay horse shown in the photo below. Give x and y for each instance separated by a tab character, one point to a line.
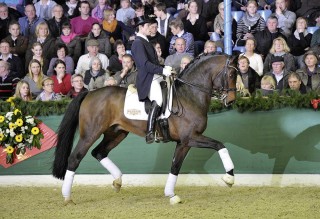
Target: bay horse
101	112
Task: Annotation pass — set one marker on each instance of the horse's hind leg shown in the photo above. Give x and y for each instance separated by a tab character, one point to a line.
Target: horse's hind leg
180	153
110	140
74	160
201	141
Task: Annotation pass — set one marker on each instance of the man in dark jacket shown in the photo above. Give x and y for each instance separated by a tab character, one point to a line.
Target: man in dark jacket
149	73
55	23
266	36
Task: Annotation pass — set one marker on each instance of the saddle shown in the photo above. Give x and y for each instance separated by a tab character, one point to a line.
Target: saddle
136	110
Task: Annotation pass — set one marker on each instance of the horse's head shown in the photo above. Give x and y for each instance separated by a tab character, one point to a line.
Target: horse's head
225	81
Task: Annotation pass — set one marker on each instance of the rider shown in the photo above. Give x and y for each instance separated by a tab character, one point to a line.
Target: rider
149	72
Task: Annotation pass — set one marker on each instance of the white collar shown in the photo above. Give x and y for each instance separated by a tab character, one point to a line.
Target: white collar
142	36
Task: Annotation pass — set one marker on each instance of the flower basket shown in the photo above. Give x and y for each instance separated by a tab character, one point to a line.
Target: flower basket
18	133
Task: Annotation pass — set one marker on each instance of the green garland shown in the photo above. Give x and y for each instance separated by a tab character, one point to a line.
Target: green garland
242	104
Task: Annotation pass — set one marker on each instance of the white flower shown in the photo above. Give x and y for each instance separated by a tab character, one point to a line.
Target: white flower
9	114
8	131
12	134
26	127
20	145
30	120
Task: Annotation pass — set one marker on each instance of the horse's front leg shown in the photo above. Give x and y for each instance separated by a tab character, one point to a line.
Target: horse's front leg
201	141
180	153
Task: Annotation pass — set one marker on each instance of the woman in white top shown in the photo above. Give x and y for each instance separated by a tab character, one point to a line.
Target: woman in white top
255	59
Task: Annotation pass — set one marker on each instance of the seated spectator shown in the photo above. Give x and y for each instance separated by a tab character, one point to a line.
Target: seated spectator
286	18
48	43
62	54
279	72
82	24
268	85
239	5
266	36
18	43
295	83
62	80
248	80
55	23
77	86
266	4
125	13
97	12
35	77
255	60
315	41
177	30
70	7
113	27
15	61
37	53
29	22
155	36
147	6
48	94
5	19
210	47
279	48
218	28
95	77
8	80
195	24
23	91
44	8
310	74
164	19
299	41
126	76
309	10
93	51
249	24
184	62
116	59
174	60
71	40
157	47
103	39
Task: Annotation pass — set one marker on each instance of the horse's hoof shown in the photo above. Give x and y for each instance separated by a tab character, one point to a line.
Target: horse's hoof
175	200
228	179
68	201
117	183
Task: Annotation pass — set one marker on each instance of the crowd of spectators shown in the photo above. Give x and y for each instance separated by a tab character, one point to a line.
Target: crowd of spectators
53	49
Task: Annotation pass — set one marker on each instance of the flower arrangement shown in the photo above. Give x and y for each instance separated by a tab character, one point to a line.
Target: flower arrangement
18	132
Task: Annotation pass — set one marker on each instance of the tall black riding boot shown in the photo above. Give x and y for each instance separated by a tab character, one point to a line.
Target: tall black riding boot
153	113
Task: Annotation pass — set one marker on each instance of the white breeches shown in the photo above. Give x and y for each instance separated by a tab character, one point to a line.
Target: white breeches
155	89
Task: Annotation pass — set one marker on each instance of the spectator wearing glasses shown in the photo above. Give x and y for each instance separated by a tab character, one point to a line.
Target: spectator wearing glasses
77	86
48	94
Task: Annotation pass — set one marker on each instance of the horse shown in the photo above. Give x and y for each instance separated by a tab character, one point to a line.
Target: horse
100	112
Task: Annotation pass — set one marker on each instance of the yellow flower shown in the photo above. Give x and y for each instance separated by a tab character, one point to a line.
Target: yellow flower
11	125
35	130
9	150
16	111
19	138
1	119
10	100
19	122
1	136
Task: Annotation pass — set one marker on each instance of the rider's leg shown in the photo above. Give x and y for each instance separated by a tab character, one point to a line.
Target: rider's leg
156	97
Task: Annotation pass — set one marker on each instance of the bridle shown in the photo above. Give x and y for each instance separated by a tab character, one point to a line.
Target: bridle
219	93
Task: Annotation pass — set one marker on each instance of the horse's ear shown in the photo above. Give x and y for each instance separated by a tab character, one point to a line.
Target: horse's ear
234	59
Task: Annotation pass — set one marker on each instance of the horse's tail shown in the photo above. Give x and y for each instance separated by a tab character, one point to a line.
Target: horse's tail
66	132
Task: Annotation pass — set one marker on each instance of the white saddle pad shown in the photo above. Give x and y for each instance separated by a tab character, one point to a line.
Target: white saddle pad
134	109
